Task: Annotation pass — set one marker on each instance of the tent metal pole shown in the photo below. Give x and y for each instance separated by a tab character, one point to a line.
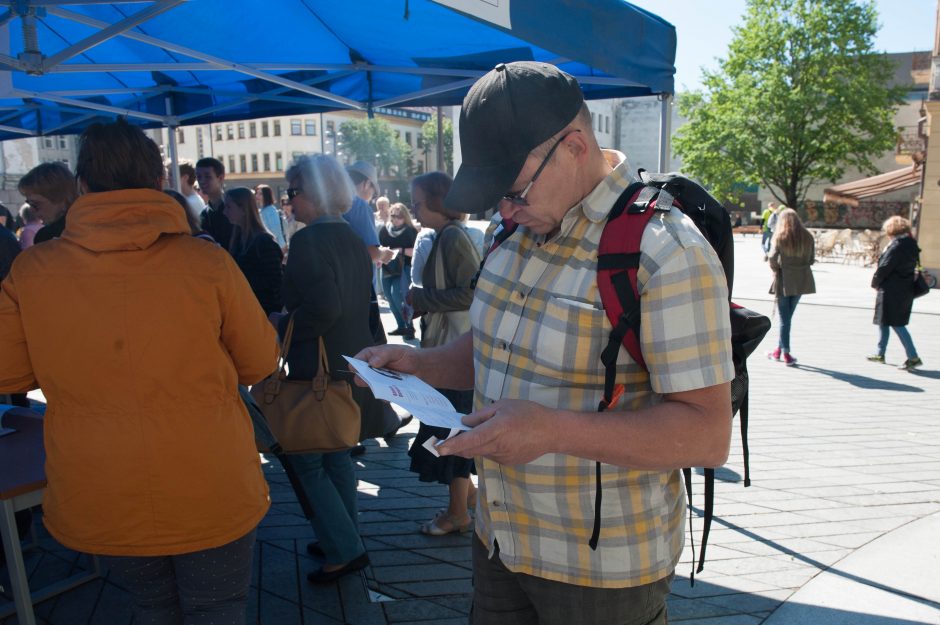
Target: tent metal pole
174	156
665	122
440	139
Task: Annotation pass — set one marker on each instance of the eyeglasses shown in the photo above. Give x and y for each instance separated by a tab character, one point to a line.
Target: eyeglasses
518	199
398	216
293	192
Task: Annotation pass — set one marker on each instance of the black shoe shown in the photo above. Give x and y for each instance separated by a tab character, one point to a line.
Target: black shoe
397	332
358	450
390	435
314	549
326	577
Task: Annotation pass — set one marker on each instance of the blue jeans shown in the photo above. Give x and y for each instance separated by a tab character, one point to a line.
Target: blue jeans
903	334
329	481
765	241
786	304
201	588
393	293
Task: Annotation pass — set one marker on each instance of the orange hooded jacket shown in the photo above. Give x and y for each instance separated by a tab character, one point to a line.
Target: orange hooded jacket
138	334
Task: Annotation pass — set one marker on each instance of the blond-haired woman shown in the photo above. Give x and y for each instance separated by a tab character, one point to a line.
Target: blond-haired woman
792	252
894	281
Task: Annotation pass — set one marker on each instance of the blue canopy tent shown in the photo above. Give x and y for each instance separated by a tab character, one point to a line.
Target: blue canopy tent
65	64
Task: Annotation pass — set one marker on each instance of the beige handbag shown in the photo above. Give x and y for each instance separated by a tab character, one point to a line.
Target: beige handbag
308	416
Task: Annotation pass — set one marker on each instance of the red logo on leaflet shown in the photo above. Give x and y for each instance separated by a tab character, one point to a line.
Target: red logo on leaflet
396	391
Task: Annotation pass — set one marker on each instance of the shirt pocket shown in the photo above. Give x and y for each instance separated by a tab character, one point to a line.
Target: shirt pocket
569	340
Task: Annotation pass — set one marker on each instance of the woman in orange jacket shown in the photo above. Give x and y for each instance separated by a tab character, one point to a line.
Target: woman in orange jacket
138	335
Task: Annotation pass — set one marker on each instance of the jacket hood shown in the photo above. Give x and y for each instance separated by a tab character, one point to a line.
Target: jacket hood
130	219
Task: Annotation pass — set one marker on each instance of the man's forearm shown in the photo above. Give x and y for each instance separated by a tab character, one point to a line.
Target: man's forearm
448	366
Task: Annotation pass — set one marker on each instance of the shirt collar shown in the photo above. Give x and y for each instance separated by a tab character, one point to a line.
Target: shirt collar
597	204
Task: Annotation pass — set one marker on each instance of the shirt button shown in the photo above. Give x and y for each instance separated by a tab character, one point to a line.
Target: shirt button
520	294
496	503
502	345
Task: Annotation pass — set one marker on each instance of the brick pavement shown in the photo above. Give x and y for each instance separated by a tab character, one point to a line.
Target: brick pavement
843	452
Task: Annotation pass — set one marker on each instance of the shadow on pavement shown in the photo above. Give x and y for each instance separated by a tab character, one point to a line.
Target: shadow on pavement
920	373
862	381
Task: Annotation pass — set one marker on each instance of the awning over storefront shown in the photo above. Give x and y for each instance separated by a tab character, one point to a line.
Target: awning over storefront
851	192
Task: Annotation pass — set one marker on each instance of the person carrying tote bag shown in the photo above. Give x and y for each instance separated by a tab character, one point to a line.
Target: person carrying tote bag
445	298
327	290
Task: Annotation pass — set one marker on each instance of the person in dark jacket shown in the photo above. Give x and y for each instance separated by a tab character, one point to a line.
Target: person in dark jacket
254	249
894	281
398	236
50	189
327	291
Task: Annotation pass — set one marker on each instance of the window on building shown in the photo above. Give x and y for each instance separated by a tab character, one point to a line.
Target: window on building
254	162
231	163
593	119
408	138
264	129
330	127
180	136
63	144
277	128
47	141
252	130
243	162
267	162
278	162
218	133
200	143
229	131
420	141
241	130
310	127
607	124
295	127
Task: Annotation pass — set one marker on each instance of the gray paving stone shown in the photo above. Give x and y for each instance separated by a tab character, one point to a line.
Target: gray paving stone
419	610
418	573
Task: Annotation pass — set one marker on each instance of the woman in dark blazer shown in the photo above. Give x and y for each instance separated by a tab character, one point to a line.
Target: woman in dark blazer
327	290
894	281
257	253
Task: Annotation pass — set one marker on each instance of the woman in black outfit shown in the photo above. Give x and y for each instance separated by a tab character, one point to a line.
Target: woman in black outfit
327	291
894	281
257	253
399	236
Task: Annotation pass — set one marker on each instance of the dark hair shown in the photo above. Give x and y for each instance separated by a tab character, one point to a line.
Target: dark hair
435	185
251	224
267	195
358	178
188	172
190	218
118	156
214	163
53	181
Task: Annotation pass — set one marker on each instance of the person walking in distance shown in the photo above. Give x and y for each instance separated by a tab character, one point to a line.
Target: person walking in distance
792	252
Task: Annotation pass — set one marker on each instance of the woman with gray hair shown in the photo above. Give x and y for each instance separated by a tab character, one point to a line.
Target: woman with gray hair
327	290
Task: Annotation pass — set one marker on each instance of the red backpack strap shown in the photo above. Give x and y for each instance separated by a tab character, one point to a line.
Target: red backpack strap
618	259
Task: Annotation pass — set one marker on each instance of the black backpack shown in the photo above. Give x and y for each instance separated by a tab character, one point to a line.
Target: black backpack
617	263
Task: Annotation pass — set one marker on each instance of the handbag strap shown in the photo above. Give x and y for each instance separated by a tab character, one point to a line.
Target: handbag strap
285	346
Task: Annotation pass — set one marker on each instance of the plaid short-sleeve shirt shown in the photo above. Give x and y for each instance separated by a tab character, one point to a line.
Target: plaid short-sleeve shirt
538	331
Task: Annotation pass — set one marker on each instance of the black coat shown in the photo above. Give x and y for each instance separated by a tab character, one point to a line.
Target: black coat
328	288
9	249
894	279
260	261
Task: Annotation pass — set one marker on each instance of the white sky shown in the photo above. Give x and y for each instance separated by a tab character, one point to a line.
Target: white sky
703	29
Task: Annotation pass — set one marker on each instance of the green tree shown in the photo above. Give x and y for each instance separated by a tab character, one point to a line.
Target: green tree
429	132
801	97
373	140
